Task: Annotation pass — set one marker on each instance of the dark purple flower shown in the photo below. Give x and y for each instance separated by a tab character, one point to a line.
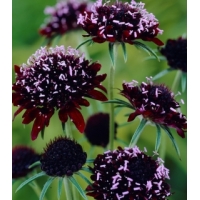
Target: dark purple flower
128	174
62	18
120	22
22	158
176	53
62	157
97	129
155	103
56	79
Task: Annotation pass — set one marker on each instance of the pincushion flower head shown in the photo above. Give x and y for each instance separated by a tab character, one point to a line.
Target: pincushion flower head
22	158
97	129
56	79
62	18
175	52
120	22
62	157
156	104
128	174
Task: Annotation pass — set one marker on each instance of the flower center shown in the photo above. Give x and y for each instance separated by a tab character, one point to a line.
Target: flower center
142	169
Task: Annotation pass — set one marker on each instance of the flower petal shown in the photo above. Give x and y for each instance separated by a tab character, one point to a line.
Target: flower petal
38	125
17	69
77	118
97	95
132	116
29	115
157	41
63	115
102	88
18	111
180	132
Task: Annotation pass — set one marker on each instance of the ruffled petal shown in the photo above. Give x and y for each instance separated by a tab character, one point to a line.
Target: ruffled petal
38	125
17	69
157	41
180	132
95	67
30	115
101	87
63	115
48	116
132	116
18	111
77	118
97	95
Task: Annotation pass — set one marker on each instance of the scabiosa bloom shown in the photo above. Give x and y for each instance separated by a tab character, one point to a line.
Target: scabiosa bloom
59	79
128	174
176	53
155	103
61	157
22	158
120	22
63	18
97	129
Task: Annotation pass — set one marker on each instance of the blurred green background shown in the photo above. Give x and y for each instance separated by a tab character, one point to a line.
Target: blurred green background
172	15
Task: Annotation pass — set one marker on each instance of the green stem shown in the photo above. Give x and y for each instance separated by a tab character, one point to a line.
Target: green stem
68	191
164	136
111	109
36	189
176	81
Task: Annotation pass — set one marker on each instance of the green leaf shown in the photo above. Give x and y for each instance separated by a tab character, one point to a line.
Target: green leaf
166	129
120	103
162	73
124	51
45	188
90	161
86	170
42	132
145	48
34	164
63	128
153	58
84	178
30	179
78	187
137	133
89	40
183	81
158	138
60	182
111	52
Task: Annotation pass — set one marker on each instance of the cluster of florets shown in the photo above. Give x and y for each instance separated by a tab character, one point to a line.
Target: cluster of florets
56	78
120	22
97	129
155	103
128	174
176	53
62	157
22	158
62	18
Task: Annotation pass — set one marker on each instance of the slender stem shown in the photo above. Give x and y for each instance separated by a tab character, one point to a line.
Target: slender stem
176	81
68	130
111	109
68	191
36	189
164	136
